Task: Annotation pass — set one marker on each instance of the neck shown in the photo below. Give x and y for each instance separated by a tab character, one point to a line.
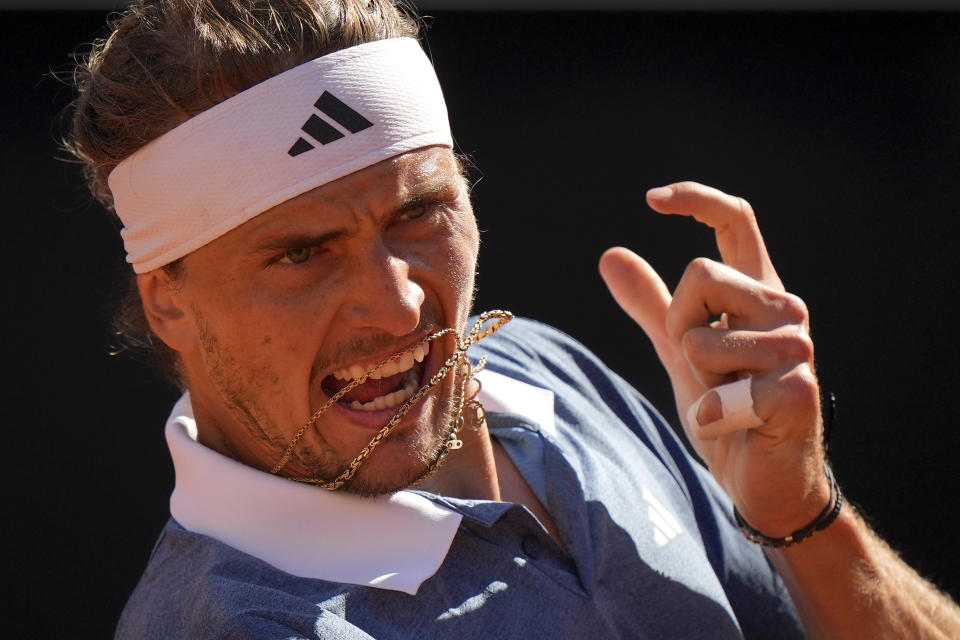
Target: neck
470	472
482	470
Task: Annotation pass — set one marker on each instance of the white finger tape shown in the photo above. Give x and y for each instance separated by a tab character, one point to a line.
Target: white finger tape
303	128
736	402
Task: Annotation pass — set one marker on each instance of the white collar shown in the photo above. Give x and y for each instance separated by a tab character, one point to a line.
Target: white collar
392	542
500	394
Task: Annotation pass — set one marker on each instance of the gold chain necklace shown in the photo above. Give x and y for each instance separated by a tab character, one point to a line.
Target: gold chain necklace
453	442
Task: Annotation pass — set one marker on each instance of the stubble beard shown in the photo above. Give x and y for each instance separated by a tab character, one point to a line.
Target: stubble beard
387	471
370	481
421	443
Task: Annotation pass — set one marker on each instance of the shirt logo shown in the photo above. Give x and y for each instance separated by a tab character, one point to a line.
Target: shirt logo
666	527
321	130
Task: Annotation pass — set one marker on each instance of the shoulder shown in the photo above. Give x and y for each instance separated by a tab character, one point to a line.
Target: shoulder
587	392
197	587
541	355
528	338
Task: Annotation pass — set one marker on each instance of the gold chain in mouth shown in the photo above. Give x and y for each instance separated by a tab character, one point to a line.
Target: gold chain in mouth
459	357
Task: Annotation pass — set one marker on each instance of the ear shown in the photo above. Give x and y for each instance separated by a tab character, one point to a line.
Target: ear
166	310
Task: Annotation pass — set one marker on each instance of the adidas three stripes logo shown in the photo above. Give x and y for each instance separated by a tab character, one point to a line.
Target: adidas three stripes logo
322	131
666	527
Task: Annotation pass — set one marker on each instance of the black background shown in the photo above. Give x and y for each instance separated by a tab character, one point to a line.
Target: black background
842	129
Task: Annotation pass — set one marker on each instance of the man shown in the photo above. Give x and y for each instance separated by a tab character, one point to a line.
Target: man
305	249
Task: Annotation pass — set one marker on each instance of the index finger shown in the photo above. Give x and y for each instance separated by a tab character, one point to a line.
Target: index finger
732	218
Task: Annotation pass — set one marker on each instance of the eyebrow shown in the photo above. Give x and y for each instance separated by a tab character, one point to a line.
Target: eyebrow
429	192
290	239
431	187
286	240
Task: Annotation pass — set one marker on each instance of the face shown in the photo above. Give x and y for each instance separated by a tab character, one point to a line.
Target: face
276	313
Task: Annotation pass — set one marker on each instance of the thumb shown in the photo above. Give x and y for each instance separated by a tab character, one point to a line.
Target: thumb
641	293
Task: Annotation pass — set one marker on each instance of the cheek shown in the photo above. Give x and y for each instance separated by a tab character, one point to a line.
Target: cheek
461	268
263	369
445	258
235	350
267	333
462	255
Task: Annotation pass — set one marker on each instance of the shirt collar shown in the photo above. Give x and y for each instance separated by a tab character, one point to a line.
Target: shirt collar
393	542
500	394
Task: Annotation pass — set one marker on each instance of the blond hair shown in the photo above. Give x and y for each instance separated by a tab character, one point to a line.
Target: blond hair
167	60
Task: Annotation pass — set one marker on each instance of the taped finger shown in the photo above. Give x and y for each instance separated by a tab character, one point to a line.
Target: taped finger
735	410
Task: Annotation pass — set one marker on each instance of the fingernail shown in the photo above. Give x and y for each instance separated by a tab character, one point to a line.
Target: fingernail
660	193
711	408
705	409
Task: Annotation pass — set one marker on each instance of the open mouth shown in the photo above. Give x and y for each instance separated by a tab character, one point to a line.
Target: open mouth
400	380
388	385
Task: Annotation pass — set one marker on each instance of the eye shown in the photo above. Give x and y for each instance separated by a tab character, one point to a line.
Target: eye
417	211
298	255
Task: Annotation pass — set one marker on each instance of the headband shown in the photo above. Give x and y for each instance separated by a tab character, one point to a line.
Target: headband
298	130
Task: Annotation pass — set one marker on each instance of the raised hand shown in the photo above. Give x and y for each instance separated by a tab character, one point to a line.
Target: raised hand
769	461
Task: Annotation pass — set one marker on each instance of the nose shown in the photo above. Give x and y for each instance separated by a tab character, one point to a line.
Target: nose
383	295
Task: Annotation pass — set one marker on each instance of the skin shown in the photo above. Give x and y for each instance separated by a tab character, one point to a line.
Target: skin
765	333
845	581
352	271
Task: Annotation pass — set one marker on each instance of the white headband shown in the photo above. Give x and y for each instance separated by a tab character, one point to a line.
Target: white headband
291	133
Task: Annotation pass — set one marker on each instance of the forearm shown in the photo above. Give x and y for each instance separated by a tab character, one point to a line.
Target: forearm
847	583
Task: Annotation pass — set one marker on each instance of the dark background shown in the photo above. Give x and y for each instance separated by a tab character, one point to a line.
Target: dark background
842	129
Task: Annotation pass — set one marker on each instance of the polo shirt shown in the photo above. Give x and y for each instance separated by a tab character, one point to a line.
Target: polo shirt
650	549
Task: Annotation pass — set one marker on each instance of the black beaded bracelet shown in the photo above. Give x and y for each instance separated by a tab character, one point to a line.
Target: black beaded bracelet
822	521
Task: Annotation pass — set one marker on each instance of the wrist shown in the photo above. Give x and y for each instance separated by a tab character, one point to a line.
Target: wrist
824	518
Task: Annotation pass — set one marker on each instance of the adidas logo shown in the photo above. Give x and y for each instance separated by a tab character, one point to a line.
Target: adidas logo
665	524
321	130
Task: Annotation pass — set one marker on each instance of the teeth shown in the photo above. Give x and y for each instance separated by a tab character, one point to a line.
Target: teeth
405	362
393	367
387	370
394	399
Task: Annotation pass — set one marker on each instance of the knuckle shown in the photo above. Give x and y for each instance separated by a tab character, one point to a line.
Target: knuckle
801	393
687	186
804	346
695	345
745	208
699	269
794	308
794	345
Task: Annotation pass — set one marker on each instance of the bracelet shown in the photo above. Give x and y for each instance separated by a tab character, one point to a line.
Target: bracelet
822	521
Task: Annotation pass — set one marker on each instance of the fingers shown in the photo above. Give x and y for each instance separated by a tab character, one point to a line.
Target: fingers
759	351
716	355
732	218
639	291
764	340
727	407
709	288
775	401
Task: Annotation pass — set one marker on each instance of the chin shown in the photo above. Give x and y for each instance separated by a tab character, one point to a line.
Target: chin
395	465
400	460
